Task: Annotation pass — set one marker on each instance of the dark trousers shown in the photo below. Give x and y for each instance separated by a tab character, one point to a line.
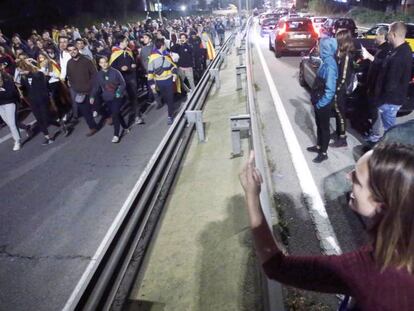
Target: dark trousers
340	110
117	119
132	91
54	89
85	108
322	117
166	88
40	111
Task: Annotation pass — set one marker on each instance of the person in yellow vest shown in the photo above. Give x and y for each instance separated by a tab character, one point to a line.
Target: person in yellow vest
162	75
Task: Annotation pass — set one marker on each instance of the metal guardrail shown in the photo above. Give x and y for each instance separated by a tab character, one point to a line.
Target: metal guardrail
112	278
272	290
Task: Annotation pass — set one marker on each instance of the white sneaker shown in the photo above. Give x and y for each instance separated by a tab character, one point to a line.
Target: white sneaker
115	139
139	120
17	146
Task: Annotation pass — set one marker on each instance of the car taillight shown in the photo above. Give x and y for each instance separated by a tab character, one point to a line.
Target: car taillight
282	30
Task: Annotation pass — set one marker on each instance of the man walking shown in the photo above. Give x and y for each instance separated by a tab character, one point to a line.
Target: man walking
123	60
81	73
162	74
185	62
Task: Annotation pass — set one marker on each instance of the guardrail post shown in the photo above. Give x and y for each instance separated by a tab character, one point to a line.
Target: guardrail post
240	70
240	52
196	116
238	124
216	76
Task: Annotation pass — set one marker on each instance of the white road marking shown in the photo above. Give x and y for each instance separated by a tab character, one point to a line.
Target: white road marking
324	230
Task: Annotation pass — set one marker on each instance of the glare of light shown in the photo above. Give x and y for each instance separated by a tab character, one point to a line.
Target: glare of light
183	8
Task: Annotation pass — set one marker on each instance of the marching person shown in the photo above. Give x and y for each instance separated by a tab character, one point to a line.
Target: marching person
110	84
185	62
9	97
34	86
123	60
162	75
81	73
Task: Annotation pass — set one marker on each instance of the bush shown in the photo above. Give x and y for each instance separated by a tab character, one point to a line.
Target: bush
364	16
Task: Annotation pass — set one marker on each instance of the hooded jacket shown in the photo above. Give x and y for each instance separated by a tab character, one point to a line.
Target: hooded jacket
328	70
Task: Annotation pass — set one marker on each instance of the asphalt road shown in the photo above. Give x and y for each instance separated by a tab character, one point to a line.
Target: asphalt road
329	176
58	201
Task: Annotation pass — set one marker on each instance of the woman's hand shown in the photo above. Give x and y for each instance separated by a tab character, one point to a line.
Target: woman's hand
250	177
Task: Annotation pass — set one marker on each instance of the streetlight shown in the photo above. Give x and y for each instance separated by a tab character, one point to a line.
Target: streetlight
183	8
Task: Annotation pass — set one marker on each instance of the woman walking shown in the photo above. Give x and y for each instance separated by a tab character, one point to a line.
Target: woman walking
378	276
34	86
322	95
9	97
110	84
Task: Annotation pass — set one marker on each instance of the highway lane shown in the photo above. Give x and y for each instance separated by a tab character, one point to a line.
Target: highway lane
57	203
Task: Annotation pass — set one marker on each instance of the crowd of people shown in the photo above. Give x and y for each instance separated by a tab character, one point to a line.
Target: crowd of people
388	79
62	74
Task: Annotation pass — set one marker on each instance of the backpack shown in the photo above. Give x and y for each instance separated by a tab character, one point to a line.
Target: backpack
317	90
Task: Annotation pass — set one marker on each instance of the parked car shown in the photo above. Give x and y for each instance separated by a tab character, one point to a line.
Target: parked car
367	39
357	100
268	15
333	24
268	25
293	34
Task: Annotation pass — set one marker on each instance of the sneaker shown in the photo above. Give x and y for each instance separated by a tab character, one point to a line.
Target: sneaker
29	131
94	114
139	120
17	146
373	138
320	158
91	132
115	139
47	141
313	149
340	142
170	120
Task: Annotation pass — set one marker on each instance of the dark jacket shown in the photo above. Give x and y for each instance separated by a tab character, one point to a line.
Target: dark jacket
81	74
8	92
35	88
125	60
109	84
375	68
185	51
395	76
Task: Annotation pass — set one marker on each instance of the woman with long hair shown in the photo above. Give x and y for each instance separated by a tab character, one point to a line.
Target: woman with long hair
34	86
378	276
344	58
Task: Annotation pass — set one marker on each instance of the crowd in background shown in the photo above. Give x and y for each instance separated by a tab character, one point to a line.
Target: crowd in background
63	73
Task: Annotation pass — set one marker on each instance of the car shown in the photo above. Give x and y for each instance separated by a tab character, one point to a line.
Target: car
267	15
367	39
268	25
357	102
293	34
333	24
317	22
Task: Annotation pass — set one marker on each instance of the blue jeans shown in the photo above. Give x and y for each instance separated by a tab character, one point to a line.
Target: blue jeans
388	114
